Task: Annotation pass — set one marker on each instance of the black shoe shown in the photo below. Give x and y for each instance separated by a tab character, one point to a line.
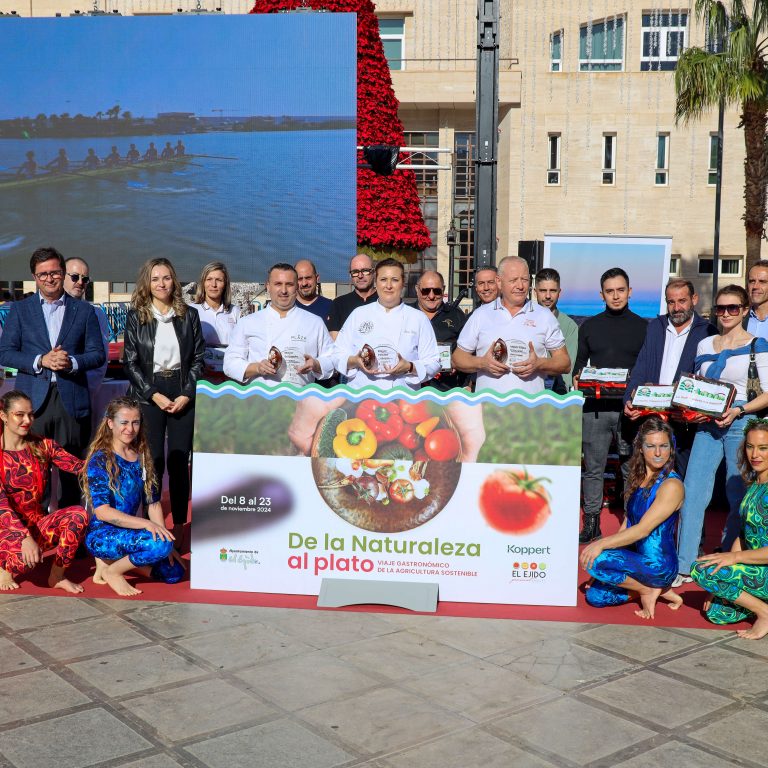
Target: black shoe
591	529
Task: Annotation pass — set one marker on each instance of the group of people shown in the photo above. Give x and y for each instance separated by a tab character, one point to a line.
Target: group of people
371	336
62	164
669	467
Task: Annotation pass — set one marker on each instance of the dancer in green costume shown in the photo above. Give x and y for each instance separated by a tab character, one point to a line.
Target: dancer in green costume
738	580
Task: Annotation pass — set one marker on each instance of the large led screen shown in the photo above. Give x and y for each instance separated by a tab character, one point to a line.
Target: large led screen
190	137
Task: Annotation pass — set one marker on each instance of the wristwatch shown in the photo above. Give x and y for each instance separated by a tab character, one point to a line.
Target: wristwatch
742	409
410	369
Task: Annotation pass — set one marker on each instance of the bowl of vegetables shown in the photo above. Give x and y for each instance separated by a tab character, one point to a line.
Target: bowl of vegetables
387	466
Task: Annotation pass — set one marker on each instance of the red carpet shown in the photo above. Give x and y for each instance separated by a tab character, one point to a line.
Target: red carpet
689	616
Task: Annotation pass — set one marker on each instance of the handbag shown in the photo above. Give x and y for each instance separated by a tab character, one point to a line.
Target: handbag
754	388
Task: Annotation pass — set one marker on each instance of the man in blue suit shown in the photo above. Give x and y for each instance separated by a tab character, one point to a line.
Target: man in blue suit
669	350
53	340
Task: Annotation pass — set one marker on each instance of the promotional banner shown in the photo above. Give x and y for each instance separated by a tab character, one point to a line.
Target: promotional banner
477	492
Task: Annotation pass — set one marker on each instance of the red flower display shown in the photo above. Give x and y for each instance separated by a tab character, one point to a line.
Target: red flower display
389	220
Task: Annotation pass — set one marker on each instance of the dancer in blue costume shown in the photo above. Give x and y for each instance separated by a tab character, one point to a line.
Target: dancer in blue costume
119	479
641	558
738	580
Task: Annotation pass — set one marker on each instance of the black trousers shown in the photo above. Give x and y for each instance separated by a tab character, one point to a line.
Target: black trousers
52	420
174	454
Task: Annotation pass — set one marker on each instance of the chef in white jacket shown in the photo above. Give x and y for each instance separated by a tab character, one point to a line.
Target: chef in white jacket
400	337
281	343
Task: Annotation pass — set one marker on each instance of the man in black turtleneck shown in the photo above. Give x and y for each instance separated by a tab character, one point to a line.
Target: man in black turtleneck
611	339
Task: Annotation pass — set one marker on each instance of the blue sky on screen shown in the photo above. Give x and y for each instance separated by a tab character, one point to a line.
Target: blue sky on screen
76	65
581	264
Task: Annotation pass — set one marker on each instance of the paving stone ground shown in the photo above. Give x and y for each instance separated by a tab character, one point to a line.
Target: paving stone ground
113	683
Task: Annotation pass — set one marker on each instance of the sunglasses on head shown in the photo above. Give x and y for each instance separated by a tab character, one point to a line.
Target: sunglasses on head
731	309
434	291
75	278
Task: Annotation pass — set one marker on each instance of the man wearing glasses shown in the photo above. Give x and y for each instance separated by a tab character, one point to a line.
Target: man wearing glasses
361	272
447	322
76	280
53	340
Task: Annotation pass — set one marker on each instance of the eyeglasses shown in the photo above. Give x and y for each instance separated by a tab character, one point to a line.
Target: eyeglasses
360	272
75	278
53	275
427	291
731	309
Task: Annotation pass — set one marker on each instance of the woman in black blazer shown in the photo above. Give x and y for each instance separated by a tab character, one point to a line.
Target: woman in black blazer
164	350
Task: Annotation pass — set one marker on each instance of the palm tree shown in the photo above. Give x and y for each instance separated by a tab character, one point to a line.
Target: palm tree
733	69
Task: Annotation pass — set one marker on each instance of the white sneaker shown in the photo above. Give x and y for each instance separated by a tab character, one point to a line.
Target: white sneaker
680	579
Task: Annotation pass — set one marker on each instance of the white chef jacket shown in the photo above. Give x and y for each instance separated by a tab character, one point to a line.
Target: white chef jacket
403	328
296	334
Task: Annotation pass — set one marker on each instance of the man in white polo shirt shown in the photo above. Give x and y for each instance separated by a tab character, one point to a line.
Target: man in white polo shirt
531	336
303	345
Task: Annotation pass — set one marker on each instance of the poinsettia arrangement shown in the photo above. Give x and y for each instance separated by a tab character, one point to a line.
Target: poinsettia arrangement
389	219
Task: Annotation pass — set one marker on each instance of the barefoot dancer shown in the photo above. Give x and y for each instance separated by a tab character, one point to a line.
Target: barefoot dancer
655	494
25	530
738	580
120	477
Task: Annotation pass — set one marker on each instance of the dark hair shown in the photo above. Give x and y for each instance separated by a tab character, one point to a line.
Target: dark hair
226	296
282	267
733	290
77	258
763	263
748	475
636	463
45	254
548	274
609	274
488	268
34	442
679	282
389	263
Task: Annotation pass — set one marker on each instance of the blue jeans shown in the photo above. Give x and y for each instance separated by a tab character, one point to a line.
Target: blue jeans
709	447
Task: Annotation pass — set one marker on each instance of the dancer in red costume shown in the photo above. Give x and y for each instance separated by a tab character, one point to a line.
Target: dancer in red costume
25	530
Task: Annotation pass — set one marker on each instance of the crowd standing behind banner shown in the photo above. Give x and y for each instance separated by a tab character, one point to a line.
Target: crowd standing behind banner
508	342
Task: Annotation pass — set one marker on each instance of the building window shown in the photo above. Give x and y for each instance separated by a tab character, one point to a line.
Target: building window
662	159
463	252
553	159
712	172
601	46
426	186
674	265
609	158
392	33
556	51
122	287
664	39
729	266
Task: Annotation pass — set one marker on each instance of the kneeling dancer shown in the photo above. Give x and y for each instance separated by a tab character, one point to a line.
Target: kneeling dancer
738	580
641	557
119	478
26	531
